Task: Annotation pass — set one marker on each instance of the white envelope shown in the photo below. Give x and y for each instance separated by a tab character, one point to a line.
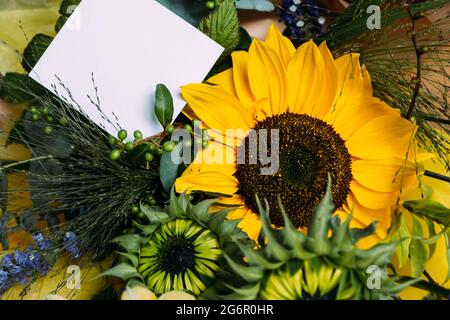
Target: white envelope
128	47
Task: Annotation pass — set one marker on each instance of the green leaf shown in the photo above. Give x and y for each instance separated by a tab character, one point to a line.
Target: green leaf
34	51
417	250
318	230
133	259
137	155
249	274
169	169
447	242
163	105
245	41
130	242
429	209
18	88
222	25
404	237
190	10
68	6
60	23
124	271
260	5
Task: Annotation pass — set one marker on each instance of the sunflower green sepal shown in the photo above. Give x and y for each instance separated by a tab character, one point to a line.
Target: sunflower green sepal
183	247
324	263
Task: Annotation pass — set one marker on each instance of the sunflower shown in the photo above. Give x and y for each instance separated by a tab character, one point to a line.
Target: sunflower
179	248
328	123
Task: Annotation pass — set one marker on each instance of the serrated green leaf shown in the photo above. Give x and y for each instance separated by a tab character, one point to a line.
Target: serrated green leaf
163	105
34	51
222	25
124	271
417	250
201	210
130	242
177	205
259	5
429	209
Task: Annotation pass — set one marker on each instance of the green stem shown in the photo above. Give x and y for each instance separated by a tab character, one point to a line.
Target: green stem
15	164
428	286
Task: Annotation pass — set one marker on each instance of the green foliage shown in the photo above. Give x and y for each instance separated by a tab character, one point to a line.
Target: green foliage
67	7
190	10
18	88
35	50
429	209
169	169
222	25
163	105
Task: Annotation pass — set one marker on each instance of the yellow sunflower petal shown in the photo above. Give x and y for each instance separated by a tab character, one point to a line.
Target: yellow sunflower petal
367	82
267	75
240	75
381	138
212	171
225	81
330	82
386	175
372	199
357	112
350	80
280	44
217	108
250	223
305	75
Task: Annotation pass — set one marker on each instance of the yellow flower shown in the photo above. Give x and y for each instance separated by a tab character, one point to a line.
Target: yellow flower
328	122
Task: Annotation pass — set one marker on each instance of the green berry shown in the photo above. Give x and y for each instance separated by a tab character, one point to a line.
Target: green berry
115	154
152	202
50	119
141	216
159	151
137	135
35	117
196	123
205	135
170	128
198	141
34	110
45	110
210	4
129	146
169	146
48	130
122	135
188	127
63	121
149	157
112	141
151	147
205	144
135	209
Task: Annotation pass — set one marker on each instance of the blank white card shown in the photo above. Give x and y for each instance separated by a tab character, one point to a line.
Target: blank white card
129	47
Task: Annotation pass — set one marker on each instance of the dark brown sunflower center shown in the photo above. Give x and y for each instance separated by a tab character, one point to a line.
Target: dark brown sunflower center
308	150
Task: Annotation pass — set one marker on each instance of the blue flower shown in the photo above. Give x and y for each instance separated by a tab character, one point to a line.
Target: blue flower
4	276
41	241
71	245
302	18
7	261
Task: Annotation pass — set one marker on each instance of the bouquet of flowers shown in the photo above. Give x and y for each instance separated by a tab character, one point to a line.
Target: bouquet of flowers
311	164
